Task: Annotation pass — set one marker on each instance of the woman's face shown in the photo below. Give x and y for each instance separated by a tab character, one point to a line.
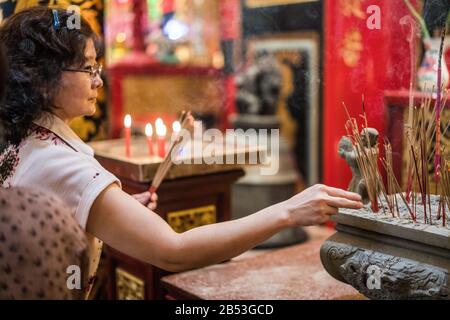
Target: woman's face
77	93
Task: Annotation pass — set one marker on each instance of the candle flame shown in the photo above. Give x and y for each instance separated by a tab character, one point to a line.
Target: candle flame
176	127
158	122
148	130
127	121
161	129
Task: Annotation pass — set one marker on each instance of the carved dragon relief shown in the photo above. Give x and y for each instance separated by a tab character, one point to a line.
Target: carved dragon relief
381	276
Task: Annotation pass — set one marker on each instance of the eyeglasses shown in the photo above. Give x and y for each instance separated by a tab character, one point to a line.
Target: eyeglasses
93	71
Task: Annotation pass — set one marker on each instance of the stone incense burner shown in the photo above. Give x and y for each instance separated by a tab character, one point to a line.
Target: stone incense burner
390	258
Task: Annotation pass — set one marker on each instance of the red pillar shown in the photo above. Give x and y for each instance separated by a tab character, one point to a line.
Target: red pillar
359	61
230	22
140	16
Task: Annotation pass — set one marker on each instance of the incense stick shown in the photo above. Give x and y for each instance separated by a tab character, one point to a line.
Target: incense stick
437	160
186	120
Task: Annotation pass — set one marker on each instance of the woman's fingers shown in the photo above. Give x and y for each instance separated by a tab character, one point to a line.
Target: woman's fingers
153	202
147	199
145	196
338	202
317	204
152	205
140	197
331	210
335	192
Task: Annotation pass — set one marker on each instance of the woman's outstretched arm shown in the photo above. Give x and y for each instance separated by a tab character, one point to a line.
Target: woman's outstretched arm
128	226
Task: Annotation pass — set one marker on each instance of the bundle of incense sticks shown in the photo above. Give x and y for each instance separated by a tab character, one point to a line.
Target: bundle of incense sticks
421	152
366	158
186	120
422	128
393	187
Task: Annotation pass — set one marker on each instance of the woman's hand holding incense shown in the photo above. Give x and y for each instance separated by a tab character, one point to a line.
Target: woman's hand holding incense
146	200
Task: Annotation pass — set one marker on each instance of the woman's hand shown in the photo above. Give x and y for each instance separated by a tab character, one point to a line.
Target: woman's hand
318	203
145	199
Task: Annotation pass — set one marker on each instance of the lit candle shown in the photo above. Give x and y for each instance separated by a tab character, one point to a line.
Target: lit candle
127	124
176	128
161	132
149	134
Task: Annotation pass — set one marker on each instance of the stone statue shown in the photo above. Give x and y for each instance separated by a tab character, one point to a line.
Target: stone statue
346	151
259	87
373	135
259	90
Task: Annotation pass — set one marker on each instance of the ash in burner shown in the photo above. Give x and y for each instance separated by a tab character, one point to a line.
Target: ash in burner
403	213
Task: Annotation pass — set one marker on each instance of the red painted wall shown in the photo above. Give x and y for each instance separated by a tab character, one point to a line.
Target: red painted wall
373	61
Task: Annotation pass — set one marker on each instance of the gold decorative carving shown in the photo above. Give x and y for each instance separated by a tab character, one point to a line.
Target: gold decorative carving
352	8
145	93
184	220
351	48
129	287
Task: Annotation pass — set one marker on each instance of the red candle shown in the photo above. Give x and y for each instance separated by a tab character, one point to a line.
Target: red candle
149	134
161	132
127	125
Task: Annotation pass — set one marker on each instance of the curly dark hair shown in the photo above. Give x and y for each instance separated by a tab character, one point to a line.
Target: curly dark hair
36	52
2	87
2	73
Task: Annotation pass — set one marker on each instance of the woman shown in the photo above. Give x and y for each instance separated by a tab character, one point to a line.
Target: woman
39	240
54	77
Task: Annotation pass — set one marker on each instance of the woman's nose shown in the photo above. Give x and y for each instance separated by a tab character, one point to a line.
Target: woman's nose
98	82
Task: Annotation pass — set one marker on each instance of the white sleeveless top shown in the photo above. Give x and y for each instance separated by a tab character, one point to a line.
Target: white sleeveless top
55	160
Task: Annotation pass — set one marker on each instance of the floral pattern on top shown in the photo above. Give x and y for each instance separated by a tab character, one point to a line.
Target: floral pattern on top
44	134
9	159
